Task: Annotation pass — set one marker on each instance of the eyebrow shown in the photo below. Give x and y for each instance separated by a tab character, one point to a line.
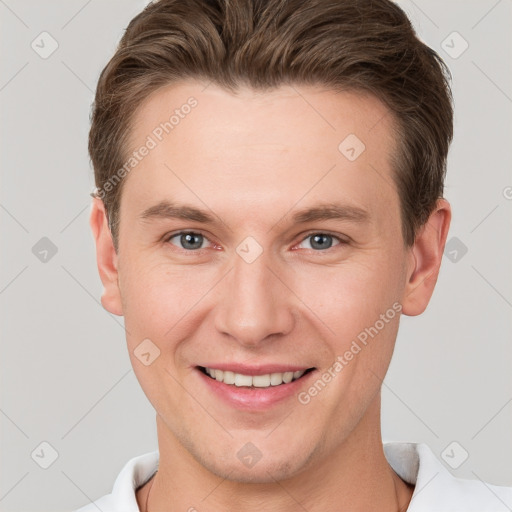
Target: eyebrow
327	211
167	210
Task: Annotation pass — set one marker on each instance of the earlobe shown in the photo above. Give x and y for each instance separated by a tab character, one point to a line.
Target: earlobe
106	258
425	260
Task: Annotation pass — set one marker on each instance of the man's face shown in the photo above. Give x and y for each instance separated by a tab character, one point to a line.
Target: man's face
258	290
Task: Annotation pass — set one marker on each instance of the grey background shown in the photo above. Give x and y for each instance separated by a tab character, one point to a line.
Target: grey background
65	374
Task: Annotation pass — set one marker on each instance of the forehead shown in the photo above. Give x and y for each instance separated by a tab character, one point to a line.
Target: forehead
262	115
263	149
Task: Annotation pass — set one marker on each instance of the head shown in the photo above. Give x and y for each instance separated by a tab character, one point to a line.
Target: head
313	137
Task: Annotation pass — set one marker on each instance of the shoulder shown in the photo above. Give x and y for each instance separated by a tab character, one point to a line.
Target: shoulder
437	489
135	473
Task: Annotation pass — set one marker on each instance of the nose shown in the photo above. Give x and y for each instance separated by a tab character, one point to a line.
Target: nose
254	304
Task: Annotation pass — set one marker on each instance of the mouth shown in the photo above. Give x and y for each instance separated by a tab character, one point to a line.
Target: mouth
241	380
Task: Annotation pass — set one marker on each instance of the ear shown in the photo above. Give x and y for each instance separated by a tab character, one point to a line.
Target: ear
425	260
106	258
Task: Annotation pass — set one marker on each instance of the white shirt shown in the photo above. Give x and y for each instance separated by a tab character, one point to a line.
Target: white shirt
436	489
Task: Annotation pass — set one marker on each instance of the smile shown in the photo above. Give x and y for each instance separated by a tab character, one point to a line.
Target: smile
257	381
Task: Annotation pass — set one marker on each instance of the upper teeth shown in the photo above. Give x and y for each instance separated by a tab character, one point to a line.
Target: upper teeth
259	381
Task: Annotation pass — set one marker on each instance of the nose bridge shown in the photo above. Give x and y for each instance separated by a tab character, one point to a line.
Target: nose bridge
254	304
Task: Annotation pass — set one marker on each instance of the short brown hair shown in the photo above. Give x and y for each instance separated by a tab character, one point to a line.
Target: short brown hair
360	45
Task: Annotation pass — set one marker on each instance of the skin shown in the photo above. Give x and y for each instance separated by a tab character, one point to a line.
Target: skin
253	159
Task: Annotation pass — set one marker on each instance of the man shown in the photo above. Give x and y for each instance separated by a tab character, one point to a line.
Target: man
269	202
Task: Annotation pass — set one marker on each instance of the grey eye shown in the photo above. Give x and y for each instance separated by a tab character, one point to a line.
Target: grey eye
320	241
188	241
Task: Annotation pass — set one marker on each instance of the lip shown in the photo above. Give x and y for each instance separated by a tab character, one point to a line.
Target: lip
254	398
261	369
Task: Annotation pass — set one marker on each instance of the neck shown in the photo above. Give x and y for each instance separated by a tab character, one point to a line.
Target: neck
354	476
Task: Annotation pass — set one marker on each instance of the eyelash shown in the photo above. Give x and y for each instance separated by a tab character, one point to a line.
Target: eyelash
340	240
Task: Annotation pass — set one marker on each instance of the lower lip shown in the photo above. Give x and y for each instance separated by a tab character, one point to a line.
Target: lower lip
253	398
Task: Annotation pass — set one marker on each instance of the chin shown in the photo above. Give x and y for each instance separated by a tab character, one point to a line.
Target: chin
266	470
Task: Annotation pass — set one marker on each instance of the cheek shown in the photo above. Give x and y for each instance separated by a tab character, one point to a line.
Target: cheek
159	300
160	307
349	295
